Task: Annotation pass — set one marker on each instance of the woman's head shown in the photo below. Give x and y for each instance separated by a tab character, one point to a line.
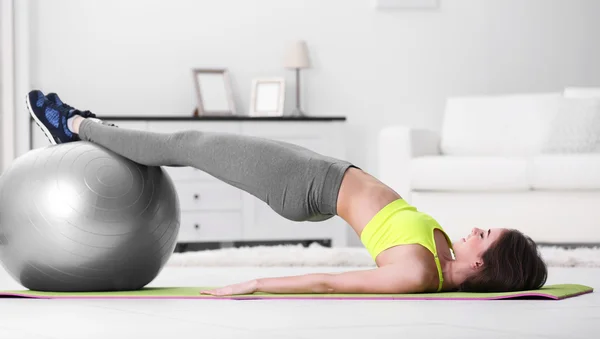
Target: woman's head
500	260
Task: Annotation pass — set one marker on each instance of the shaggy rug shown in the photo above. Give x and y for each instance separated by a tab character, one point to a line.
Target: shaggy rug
317	255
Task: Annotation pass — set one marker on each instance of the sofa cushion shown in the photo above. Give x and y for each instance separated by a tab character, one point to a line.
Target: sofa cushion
582	92
576	127
453	173
501	125
565	172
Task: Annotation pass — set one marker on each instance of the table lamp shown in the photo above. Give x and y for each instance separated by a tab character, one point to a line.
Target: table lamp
296	57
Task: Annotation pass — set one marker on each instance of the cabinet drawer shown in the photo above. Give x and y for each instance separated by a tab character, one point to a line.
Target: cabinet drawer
194	196
210	226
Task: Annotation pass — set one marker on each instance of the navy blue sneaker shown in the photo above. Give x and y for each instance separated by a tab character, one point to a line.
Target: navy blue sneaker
52	118
86	114
53	97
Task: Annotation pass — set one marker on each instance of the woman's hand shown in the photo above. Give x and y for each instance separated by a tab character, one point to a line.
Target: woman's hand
382	280
247	287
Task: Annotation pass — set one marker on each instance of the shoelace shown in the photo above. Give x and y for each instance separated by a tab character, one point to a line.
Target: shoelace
72	110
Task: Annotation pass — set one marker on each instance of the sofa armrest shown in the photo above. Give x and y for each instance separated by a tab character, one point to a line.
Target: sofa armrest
397	146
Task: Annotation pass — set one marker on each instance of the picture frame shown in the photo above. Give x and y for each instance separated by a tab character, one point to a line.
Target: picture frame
213	92
268	97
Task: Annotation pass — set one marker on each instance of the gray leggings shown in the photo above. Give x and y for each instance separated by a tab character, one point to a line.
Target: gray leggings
297	183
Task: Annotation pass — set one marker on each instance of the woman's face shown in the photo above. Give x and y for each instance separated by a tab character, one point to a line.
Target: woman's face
472	247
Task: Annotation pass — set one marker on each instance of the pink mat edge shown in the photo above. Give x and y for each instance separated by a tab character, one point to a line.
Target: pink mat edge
207	297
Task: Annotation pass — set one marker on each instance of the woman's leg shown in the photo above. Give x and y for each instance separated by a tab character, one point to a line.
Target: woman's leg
295	182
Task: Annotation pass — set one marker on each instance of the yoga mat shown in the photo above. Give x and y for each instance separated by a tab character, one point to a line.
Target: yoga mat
550	292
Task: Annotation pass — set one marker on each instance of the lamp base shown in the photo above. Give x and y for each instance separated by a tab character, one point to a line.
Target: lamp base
297	112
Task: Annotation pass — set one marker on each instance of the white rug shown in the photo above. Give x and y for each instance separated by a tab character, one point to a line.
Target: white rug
317	255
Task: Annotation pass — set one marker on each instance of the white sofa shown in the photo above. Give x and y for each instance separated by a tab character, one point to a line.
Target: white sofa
525	161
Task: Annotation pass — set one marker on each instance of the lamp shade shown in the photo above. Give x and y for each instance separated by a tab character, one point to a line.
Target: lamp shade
296	55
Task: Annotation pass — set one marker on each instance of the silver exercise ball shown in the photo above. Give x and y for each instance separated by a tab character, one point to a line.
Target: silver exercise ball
77	217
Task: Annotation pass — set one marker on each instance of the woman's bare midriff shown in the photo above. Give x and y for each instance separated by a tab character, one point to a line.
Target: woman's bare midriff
360	198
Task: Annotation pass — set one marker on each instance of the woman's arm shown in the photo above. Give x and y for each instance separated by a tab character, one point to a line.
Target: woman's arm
383	280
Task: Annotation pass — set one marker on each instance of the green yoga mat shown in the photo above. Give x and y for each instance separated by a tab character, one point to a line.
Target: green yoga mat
550	292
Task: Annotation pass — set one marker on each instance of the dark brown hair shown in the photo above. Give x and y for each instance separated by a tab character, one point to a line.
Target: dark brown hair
511	263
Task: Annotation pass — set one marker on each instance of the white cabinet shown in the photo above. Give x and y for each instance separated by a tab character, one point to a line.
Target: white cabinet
211	226
208	195
213	211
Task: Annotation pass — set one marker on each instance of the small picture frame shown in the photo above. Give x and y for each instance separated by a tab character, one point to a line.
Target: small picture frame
268	96
213	90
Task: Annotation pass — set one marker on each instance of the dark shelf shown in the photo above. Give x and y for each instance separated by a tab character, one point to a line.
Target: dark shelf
223	118
219	118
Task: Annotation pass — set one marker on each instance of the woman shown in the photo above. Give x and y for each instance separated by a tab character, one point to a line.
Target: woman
412	251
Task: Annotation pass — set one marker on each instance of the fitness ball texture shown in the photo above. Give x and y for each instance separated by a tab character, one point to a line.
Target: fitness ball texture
77	217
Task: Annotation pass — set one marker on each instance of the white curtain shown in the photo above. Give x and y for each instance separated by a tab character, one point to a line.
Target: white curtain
10	75
6	83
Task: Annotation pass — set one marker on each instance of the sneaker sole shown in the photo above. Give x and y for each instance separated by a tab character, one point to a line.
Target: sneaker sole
39	123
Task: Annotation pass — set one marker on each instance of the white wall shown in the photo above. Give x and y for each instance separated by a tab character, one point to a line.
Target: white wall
376	67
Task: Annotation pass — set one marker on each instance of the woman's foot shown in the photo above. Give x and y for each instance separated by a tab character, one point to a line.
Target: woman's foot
53	118
74	122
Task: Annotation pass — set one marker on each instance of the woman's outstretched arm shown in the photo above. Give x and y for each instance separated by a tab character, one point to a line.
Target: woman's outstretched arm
383	280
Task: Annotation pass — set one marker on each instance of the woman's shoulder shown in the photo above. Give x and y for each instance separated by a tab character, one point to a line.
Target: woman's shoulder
416	261
429	273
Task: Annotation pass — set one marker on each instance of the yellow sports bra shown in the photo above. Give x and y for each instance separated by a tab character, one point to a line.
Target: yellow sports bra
399	223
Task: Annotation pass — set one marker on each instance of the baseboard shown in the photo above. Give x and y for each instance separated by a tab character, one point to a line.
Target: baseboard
569	245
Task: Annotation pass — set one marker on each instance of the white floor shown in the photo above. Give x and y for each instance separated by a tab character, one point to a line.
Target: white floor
577	317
